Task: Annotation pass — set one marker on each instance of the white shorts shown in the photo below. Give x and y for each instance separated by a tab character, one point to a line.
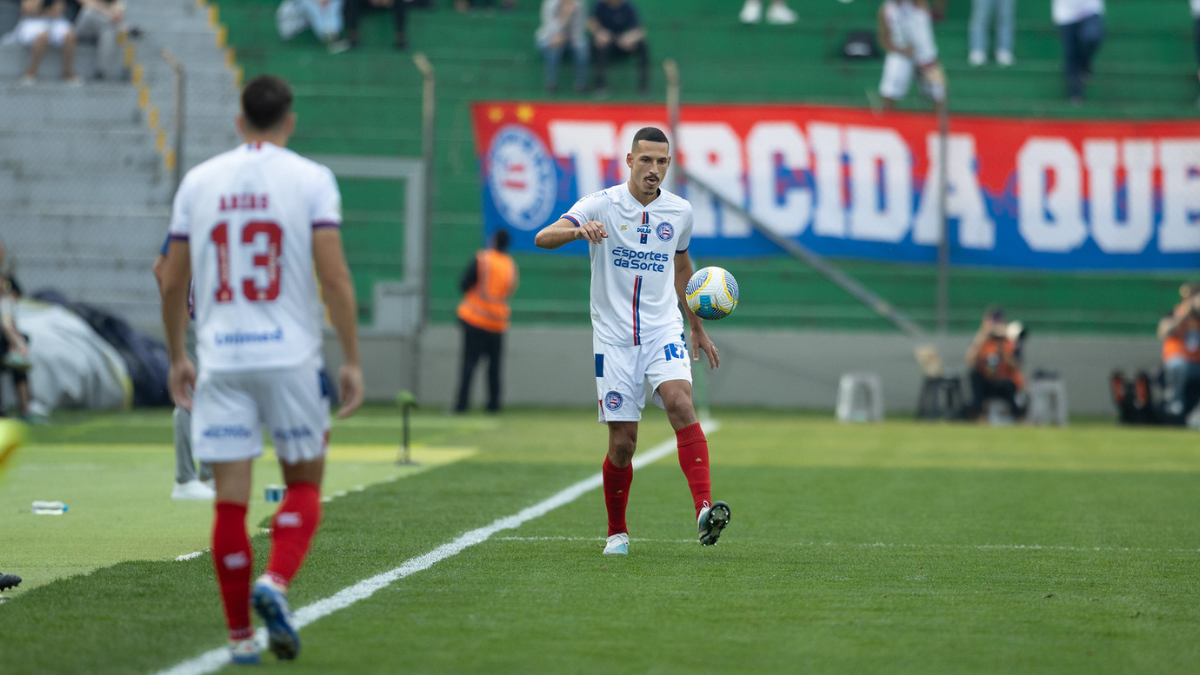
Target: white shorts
231	409
622	372
897	76
32	28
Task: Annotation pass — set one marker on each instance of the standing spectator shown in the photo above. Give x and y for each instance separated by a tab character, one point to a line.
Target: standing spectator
352	15
325	19
995	360
1180	335
103	20
1081	27
487	286
906	33
779	13
14	346
563	23
981	12
43	24
616	32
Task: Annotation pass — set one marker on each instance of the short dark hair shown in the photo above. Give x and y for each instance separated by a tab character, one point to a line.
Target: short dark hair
652	134
500	240
266	101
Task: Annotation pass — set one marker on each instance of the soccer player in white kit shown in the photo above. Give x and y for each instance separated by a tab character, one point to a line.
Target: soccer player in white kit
251	226
906	32
638	236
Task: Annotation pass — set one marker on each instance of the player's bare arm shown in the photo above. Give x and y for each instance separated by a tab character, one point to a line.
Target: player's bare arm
564	232
700	341
337	289
174	275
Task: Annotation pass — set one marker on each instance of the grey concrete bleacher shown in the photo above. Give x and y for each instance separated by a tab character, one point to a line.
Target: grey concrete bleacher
84	192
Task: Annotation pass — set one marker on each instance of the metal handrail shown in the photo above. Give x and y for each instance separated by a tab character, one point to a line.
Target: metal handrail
177	146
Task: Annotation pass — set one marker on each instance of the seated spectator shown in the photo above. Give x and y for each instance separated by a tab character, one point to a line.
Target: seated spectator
43	24
325	19
352	12
14	347
103	20
563	23
1180	335
1081	28
906	33
617	32
981	12
995	360
779	13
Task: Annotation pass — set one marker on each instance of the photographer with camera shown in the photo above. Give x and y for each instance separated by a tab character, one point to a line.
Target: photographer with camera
1180	333
995	360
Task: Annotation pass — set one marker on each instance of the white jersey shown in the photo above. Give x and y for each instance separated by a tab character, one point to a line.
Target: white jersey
1069	11
249	215
911	26
633	270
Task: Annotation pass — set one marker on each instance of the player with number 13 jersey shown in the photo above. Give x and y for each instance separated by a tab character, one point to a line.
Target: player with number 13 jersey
259	229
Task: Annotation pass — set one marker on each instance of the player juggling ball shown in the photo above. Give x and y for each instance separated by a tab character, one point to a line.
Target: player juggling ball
249	227
638	235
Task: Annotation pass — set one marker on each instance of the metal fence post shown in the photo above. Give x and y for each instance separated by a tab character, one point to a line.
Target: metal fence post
177	146
428	111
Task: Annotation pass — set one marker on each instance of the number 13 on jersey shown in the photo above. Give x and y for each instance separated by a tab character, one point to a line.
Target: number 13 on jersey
263	241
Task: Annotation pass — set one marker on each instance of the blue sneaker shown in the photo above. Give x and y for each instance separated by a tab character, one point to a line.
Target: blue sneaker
270	601
244	652
712	520
618	544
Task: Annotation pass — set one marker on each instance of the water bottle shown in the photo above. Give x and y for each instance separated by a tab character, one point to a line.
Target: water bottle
49	508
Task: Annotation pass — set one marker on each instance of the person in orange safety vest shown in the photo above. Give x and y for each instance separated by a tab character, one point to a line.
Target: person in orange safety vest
1180	333
995	360
487	285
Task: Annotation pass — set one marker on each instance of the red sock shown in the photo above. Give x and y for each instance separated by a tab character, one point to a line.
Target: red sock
616	495
234	560
292	531
693	459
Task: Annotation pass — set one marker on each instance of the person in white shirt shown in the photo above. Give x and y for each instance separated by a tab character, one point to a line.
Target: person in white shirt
563	24
1081	28
905	30
249	229
638	235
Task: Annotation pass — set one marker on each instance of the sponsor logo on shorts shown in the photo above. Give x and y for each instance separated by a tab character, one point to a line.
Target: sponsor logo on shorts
292	434
218	432
613	400
240	338
665	231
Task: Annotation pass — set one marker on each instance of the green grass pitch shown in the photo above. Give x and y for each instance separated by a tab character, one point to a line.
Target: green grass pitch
899	548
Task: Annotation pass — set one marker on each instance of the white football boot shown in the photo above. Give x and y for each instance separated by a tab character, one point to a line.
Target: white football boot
193	490
711	521
751	12
618	544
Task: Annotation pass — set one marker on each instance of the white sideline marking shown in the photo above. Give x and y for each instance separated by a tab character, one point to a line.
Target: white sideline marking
189	556
880	544
215	659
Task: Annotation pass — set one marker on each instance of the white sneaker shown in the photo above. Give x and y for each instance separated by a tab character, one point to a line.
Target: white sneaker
751	12
618	544
1004	58
193	490
977	58
244	652
28	80
781	14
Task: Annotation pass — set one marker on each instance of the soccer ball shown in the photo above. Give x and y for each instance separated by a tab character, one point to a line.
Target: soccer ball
712	293
12	437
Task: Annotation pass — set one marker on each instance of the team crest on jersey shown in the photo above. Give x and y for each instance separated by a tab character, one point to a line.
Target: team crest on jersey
665	231
522	178
613	400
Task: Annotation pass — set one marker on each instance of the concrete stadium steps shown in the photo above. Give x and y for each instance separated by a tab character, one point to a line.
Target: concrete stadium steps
77	145
30	189
14	61
97	103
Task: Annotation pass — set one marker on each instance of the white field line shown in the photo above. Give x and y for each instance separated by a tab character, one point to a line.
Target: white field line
880	544
215	659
